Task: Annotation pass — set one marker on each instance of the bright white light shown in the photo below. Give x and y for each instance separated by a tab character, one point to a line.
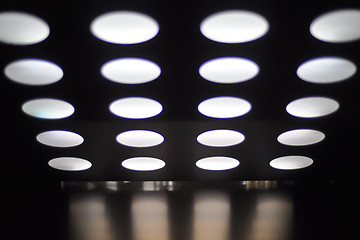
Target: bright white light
220	138
124	27
21	28
234	26
217	163
291	162
70	164
301	137
130	70
326	70
337	26
143	163
35	72
312	107
224	107
135	107
48	108
229	70
60	138
140	138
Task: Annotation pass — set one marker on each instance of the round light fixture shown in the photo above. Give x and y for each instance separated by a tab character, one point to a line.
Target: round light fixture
60	138
70	164
228	70
140	138
217	163
234	26
312	107
291	162
135	107
124	27
143	163
48	108
220	138
224	107
301	137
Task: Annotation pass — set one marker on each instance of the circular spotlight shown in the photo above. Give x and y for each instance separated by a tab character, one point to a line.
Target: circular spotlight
291	162
228	70
224	107
234	26
35	72
220	138
130	70
217	163
135	108
140	138
143	163
312	107
326	70
19	28
339	26
124	27
60	138
70	164
301	137
47	108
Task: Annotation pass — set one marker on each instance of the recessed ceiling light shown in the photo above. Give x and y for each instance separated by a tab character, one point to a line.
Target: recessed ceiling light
326	70
34	72
217	163
130	70
135	107
21	28
60	138
291	162
312	107
229	70
140	138
224	107
220	138
234	26
124	27
70	164
48	108
301	137
337	26
143	163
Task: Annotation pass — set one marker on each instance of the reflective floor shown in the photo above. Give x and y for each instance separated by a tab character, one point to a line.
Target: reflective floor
166	210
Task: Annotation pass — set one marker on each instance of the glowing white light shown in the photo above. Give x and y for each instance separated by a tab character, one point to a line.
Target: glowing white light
140	138
35	72
291	162
217	163
21	28
60	138
70	164
136	107
143	163
326	70
312	107
229	70
48	108
224	107
124	27
130	70
234	26
337	26
220	138
301	137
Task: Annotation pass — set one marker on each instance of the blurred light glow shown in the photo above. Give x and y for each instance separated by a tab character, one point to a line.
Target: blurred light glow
291	162
20	28
143	163
224	107
140	138
228	70
130	70
135	107
234	26
339	26
60	138
48	108
217	163
124	27
326	70
312	107
70	164
301	137
34	72
220	138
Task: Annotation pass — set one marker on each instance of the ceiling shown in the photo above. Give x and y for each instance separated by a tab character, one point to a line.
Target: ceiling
179	49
